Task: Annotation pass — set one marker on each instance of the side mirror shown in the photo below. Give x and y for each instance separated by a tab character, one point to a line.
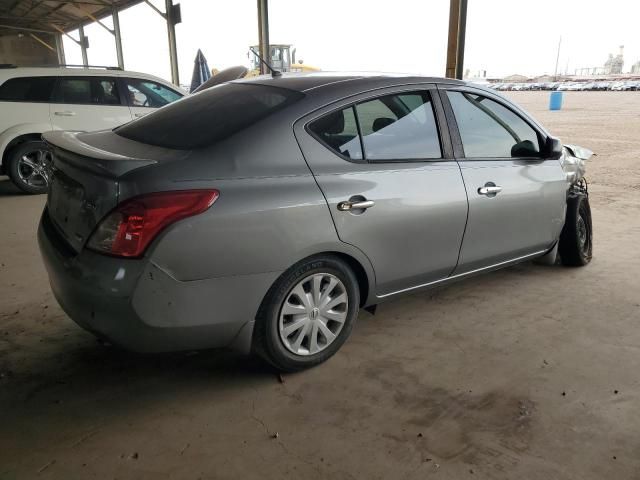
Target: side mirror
525	149
553	148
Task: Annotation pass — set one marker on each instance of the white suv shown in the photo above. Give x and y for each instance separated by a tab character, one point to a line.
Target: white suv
35	100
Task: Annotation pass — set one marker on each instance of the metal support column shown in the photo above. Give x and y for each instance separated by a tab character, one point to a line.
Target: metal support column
60	49
171	15
84	43
118	37
263	33
457	34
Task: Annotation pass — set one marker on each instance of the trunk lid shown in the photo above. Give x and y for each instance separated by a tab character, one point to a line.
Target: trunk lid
84	184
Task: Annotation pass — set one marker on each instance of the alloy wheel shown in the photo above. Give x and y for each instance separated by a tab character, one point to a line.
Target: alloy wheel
33	168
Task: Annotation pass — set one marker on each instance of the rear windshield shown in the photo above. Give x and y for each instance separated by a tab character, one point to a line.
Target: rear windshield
207	117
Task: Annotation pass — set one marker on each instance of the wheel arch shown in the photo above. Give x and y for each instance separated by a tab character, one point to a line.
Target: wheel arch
247	339
365	278
360	273
14	142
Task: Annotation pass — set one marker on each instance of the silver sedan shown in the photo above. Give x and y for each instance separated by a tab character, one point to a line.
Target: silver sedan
263	214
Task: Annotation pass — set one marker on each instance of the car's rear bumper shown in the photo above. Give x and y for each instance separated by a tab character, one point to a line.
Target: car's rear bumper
134	304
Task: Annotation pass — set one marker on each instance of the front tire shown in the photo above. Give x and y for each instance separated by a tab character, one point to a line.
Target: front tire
28	168
307	314
576	240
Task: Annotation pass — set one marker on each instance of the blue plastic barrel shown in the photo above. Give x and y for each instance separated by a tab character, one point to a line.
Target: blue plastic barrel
555	101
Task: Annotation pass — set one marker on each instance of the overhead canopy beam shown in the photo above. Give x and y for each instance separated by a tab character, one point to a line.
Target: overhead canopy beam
96	20
263	34
66	15
158	11
115	31
42	42
62	32
25	29
172	16
457	34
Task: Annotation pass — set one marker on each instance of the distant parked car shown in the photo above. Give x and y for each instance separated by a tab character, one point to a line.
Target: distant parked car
630	85
571	86
264	213
586	86
35	100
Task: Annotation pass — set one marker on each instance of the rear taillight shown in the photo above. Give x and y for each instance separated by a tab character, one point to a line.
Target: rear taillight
132	225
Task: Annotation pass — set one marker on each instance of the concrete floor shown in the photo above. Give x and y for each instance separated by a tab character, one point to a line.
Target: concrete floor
531	372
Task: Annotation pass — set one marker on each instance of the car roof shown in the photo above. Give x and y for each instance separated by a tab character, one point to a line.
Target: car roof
307	82
10	72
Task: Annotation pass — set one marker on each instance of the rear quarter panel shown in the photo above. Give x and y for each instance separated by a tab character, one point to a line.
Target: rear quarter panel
270	213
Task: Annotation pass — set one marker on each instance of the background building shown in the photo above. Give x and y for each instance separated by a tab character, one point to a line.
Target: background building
613	64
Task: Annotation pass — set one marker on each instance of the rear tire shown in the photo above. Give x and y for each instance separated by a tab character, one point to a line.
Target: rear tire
28	167
307	314
576	240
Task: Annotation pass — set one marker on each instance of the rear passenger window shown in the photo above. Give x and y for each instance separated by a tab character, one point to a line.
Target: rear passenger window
399	127
74	90
339	131
87	90
490	130
27	89
390	128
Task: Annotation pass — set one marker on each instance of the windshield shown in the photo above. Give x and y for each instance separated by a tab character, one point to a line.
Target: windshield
209	116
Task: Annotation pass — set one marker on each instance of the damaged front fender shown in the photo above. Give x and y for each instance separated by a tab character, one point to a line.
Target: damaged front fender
573	161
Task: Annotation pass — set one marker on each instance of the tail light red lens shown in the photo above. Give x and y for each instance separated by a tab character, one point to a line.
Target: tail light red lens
129	229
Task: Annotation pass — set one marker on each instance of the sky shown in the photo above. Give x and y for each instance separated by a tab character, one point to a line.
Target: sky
503	36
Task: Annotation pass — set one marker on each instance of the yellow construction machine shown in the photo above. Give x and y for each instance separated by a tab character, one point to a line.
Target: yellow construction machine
281	57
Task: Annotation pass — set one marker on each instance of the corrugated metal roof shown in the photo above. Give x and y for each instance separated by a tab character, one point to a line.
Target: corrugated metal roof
49	15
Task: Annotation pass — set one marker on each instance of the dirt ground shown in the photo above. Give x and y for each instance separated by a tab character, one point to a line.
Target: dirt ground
530	372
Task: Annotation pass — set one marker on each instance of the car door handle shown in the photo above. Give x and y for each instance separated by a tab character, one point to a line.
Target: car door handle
359	205
138	115
65	113
490	190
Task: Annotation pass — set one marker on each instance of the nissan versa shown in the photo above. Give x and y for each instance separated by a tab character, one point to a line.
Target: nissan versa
263	214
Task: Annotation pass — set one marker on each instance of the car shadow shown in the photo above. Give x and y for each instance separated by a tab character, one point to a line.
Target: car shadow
91	367
8	189
69	373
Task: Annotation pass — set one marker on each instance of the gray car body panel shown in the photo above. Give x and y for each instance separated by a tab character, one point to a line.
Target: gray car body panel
138	306
201	282
417	204
526	217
